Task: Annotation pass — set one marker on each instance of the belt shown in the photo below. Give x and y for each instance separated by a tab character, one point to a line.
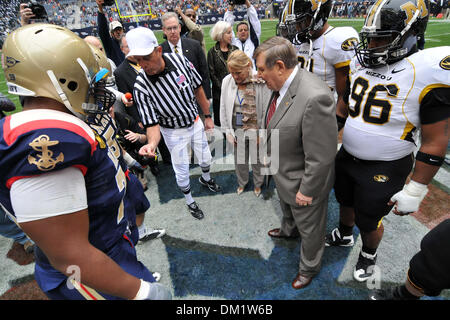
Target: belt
185	126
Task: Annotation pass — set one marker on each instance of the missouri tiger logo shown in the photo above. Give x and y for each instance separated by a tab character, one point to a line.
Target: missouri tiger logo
381	178
410	9
445	63
349	44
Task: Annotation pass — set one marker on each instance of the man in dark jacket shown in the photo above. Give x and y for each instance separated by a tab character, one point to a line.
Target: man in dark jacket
110	36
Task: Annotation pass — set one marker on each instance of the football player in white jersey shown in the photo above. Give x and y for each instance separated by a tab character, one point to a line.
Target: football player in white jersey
395	92
322	49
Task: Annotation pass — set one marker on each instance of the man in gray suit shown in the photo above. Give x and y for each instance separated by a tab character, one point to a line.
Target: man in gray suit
302	115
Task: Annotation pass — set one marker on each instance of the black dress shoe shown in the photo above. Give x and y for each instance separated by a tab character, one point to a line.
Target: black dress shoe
276	233
195	211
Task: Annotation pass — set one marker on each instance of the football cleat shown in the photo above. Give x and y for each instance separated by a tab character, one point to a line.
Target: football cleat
211	184
334	239
364	268
150	234
195	211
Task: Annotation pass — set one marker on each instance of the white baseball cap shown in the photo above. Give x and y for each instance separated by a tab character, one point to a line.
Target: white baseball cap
141	41
113	25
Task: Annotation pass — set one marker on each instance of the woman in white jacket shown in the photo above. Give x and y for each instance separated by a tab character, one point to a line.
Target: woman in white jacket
243	100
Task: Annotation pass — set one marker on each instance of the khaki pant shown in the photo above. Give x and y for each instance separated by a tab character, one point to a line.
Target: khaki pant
310	224
245	153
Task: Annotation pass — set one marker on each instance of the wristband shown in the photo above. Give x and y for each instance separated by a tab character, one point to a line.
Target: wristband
340	122
429	159
208	116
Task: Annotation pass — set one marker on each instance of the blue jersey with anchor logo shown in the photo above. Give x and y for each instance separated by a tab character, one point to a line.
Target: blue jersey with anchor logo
34	142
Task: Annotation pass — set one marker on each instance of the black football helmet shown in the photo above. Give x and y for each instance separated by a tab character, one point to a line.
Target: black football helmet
396	21
284	28
314	11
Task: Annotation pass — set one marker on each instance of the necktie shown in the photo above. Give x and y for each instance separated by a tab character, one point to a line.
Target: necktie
175	49
272	107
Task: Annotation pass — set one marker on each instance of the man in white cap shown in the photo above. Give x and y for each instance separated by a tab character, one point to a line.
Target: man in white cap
110	36
166	91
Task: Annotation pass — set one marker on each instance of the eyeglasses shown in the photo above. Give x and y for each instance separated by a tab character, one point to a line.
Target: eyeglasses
191	15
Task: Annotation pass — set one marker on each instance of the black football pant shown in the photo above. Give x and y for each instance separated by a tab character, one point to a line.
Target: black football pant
430	267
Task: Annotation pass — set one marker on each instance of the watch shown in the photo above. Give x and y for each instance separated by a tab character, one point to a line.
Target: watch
208	116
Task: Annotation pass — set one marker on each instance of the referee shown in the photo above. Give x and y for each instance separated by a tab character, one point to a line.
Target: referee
166	91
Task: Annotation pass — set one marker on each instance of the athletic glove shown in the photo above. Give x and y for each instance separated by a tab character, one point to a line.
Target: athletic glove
153	291
409	199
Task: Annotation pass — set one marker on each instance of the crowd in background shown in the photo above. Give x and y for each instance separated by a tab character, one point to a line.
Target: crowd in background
348	9
81	14
76	14
9	11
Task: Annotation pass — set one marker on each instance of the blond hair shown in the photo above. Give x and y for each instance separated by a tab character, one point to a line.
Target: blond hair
239	60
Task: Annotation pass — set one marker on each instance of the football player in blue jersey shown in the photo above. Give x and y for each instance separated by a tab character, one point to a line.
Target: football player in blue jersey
134	193
60	174
395	92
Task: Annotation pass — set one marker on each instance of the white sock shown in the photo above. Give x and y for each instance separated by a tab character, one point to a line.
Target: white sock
189	198
141	230
205	173
206	176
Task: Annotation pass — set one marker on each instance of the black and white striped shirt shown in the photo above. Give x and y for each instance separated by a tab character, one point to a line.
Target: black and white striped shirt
168	98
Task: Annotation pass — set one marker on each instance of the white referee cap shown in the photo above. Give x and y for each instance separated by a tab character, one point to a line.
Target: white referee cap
141	41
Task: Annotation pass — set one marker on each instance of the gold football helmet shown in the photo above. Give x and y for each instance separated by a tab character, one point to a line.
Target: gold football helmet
103	62
45	60
100	56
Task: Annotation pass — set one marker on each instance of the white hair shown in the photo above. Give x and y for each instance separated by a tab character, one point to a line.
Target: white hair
219	30
166	16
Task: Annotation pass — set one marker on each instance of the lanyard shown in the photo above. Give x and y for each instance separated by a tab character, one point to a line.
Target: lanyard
239	99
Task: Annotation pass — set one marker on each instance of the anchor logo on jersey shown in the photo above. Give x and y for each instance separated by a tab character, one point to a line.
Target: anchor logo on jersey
45	160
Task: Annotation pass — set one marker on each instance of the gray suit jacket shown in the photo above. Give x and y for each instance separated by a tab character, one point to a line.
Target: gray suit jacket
304	130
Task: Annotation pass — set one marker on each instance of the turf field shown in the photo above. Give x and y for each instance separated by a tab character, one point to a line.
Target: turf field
437	34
